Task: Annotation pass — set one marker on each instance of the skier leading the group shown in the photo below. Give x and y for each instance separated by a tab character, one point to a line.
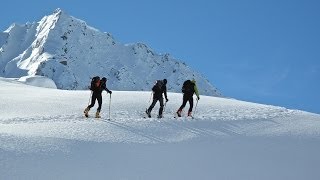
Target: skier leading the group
97	86
158	89
189	88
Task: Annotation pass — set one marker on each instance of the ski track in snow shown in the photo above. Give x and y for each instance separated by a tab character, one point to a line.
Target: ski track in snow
134	129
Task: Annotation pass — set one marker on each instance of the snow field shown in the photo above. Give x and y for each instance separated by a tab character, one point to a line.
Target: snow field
44	135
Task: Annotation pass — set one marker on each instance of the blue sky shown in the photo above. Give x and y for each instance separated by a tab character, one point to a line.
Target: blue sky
254	50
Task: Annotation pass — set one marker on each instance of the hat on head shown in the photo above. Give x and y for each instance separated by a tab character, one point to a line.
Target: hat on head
165	81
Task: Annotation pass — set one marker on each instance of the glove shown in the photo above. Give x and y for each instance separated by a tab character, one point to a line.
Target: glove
167	100
198	98
110	92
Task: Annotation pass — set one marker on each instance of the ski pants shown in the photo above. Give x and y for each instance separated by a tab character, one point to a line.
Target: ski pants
187	98
155	99
96	96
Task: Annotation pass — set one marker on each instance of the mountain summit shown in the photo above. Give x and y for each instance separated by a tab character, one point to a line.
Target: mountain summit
70	52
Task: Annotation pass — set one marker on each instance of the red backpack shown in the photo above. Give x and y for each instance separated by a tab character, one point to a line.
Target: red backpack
95	83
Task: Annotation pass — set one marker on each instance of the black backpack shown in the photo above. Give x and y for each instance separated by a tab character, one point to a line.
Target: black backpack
103	82
157	88
95	83
188	87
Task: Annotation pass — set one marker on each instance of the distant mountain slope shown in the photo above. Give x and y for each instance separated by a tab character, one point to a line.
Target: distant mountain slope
69	52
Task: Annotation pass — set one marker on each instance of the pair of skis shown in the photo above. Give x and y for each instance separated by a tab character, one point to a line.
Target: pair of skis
96	117
176	116
86	112
148	115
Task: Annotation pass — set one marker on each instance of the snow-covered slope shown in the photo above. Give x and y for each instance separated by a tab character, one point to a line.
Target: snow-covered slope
43	135
70	52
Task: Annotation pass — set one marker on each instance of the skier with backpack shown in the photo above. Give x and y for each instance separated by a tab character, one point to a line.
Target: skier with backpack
188	89
97	86
158	89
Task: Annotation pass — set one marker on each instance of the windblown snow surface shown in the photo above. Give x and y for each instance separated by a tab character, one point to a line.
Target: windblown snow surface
43	135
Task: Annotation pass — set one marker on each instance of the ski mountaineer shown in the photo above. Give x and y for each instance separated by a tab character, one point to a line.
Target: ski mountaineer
158	89
188	89
97	86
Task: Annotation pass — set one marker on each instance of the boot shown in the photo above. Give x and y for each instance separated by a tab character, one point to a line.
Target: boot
86	111
190	114
148	113
160	116
98	114
179	112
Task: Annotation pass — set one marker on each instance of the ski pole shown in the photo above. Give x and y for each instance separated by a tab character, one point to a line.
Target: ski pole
195	108
90	98
164	107
110	107
150	97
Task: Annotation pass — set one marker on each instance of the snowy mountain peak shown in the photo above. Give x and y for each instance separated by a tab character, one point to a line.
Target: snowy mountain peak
58	11
70	52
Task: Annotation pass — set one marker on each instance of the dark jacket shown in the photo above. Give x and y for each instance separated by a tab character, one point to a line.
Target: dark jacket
157	92
189	88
